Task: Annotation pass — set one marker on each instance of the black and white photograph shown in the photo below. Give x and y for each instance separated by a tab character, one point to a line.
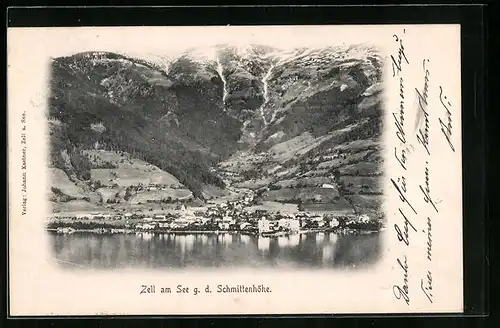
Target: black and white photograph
226	155
235	169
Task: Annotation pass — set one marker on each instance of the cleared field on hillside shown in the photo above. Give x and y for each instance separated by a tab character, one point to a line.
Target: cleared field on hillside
174	194
370	202
304	182
145	208
357	145
354	184
76	206
231	196
210	191
358	156
100	157
129	171
253	184
317	173
304	194
107	193
242	161
274	207
58	179
362	168
349	159
132	176
295	147
334	163
376	156
337	207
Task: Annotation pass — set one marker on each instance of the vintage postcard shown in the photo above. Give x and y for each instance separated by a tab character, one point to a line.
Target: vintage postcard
234	170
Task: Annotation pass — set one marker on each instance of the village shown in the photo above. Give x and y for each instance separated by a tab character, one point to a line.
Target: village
227	216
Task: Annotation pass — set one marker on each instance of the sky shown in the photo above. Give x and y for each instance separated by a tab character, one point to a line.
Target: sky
170	41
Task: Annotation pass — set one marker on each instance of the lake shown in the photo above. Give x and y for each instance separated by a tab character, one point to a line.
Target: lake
235	250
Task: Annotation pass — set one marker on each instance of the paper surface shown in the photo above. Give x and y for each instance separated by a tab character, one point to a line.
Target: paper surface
346	138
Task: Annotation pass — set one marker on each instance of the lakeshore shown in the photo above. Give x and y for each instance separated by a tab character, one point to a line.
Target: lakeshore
69	230
222	218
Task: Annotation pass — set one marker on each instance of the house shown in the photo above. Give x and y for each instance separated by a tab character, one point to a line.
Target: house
224	225
290	224
364	218
319	220
334	223
293	224
145	226
205	220
327	186
65	230
127	215
187	213
149	219
264	226
180	223
245	225
160	217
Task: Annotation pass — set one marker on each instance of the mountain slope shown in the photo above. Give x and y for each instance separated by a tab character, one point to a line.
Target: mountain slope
253	118
132	103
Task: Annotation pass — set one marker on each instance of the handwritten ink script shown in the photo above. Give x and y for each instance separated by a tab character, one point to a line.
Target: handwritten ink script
401	151
423	121
446	128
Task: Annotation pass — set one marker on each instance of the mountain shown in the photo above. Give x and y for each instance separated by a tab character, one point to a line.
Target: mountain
290	125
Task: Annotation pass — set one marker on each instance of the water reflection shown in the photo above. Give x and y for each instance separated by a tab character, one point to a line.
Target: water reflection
327	254
263	244
357	250
151	250
245	239
204	239
332	237
282	241
146	235
294	240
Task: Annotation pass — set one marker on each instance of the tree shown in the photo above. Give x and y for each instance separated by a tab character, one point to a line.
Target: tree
128	194
81	164
300	205
250	174
274	187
